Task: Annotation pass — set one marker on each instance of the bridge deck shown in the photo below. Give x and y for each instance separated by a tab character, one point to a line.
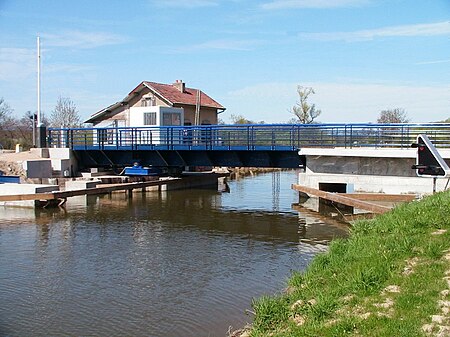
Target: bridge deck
264	145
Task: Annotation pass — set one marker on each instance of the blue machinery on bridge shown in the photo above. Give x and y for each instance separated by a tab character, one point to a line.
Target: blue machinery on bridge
261	145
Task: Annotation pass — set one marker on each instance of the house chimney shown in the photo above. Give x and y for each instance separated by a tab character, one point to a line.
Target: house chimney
180	85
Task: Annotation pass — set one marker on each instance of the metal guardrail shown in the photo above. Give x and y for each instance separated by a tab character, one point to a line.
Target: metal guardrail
249	137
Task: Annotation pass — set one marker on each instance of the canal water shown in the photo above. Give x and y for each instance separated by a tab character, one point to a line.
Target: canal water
178	263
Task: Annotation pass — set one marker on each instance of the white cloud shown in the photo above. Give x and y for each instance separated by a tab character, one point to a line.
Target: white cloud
427	29
67	68
319	4
185	3
340	102
433	62
18	77
82	40
17	64
222	44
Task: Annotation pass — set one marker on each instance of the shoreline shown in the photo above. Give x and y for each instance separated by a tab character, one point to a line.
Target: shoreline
238	172
373	282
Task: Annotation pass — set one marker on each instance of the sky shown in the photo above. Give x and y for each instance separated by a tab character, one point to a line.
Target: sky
359	56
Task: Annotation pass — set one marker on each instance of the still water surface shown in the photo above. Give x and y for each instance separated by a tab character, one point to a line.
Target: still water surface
180	263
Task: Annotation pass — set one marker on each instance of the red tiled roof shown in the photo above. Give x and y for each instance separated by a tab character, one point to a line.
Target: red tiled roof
189	96
167	92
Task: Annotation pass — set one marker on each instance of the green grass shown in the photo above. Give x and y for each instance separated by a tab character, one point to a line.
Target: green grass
343	292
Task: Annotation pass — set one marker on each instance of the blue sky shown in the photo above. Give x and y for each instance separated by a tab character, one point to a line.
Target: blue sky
360	56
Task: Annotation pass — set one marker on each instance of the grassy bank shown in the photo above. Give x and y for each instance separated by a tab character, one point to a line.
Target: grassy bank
390	278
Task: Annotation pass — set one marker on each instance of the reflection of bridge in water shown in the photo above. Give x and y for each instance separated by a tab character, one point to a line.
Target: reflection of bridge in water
197	211
202	211
266	145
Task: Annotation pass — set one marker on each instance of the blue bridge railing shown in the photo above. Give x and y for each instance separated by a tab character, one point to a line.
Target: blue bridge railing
272	137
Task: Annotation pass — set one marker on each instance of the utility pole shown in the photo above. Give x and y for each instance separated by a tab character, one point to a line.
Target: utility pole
197	108
42	130
197	134
38	81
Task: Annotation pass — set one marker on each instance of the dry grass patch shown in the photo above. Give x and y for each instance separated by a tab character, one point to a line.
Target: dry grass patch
440	323
410	265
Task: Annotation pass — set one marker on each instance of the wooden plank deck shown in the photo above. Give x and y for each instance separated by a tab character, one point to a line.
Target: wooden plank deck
381	197
358	200
59	195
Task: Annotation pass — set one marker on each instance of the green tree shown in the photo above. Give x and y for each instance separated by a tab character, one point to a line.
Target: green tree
239	119
306	113
397	115
65	114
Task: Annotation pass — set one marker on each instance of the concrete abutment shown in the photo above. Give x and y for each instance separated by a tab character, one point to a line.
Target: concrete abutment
366	170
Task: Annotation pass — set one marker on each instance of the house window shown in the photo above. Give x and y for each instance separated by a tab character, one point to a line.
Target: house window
171	119
148	101
149	118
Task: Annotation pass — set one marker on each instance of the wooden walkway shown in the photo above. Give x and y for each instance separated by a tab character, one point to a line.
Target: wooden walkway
365	201
63	195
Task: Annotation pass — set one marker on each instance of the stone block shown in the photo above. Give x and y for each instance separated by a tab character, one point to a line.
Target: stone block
59	153
61	167
40	168
81	184
40	152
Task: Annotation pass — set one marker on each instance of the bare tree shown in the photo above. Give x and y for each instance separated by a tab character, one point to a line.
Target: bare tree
14	130
65	114
305	112
397	115
5	110
5	124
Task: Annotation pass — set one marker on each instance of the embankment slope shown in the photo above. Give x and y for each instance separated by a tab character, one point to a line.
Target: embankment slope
390	278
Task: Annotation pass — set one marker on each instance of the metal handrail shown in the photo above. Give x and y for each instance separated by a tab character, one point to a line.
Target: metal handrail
250	137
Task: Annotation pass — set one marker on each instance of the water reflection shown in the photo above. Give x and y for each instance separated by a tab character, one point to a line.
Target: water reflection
181	263
199	210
